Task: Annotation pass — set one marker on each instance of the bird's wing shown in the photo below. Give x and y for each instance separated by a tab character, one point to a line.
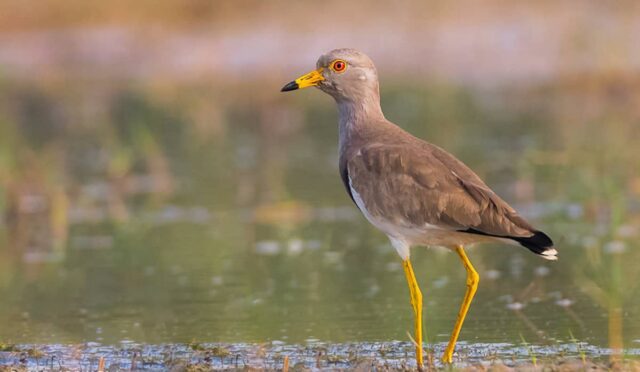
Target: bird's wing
426	185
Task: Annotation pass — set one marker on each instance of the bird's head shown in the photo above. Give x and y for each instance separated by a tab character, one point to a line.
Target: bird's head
345	74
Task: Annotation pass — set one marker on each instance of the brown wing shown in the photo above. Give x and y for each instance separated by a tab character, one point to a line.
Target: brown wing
426	185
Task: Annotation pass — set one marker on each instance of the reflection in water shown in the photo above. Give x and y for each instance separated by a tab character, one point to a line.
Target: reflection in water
157	218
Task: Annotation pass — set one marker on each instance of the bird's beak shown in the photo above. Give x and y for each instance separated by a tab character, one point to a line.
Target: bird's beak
309	80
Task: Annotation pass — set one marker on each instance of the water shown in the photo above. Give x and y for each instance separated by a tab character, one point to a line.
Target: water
214	213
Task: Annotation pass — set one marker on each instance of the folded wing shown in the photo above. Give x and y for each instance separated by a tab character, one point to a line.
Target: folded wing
430	187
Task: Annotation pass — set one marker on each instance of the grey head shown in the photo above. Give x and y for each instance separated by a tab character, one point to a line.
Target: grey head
345	74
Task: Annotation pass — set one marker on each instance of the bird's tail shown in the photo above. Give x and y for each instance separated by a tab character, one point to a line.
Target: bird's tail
540	244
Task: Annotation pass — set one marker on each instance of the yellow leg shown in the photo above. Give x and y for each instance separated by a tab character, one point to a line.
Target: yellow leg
472	286
416	303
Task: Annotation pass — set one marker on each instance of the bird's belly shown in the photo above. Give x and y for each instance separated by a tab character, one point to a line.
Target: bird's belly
427	234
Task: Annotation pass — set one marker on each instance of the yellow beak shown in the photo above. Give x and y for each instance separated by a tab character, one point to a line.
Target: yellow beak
309	80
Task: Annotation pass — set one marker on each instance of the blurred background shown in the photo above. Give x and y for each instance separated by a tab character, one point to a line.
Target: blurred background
156	186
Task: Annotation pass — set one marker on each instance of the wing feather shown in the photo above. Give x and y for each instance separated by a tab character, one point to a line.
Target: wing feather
430	186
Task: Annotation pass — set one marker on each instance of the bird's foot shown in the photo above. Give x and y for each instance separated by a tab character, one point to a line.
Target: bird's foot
447	357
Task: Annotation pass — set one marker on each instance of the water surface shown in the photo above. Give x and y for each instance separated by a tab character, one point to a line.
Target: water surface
215	214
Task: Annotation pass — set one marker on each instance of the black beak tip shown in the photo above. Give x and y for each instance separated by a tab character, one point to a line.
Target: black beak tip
289	87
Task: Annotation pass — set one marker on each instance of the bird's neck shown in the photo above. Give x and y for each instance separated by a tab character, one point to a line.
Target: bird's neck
354	114
356	117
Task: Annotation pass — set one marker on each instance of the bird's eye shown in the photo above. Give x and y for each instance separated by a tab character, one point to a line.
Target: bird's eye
338	65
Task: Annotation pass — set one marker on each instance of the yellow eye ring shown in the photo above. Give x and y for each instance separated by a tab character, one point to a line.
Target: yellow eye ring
338	65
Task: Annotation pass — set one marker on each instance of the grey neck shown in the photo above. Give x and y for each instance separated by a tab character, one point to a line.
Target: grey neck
356	116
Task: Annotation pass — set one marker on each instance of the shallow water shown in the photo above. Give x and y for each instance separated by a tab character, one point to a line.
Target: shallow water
160	218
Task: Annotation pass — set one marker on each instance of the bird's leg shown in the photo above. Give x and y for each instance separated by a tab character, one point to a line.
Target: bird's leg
416	303
472	286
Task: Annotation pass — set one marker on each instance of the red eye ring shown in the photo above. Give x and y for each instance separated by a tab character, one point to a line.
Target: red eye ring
338	65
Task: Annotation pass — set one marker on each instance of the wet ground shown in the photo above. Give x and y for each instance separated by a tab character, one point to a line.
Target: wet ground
313	356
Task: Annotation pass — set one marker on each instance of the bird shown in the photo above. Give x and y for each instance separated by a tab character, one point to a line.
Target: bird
415	192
